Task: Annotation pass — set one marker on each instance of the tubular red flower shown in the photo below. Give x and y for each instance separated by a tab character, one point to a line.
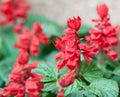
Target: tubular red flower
22	80
103	34
70	49
13	10
30	40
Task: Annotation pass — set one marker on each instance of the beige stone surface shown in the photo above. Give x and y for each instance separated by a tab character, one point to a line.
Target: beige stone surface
61	10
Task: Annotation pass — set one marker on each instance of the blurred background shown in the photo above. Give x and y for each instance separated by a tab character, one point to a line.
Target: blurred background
60	10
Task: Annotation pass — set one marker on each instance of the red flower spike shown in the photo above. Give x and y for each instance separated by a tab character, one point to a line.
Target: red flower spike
70	49
13	89
102	10
74	23
13	10
104	33
30	40
67	80
22	80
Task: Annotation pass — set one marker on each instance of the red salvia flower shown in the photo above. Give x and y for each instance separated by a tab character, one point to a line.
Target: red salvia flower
12	10
74	23
22	80
30	40
70	51
104	34
71	48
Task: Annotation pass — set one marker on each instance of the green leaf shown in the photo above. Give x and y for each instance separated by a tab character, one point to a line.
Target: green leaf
1	82
117	71
6	67
82	93
91	72
84	30
50	87
48	94
8	39
50	28
72	88
104	88
47	70
116	78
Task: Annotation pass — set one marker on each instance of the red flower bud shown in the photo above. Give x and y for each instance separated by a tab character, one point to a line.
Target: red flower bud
74	23
67	80
102	10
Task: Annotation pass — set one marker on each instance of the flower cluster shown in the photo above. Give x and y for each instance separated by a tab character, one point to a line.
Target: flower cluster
30	40
71	48
11	10
104	33
70	51
22	80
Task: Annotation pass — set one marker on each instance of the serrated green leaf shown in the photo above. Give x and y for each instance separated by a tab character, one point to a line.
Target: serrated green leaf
48	79
47	70
50	87
91	72
8	39
104	88
72	88
6	67
117	71
82	93
116	78
1	82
